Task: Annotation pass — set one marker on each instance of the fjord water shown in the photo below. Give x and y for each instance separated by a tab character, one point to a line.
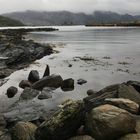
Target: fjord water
117	50
115	53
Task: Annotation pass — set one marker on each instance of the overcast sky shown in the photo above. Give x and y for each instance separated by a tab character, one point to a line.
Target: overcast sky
88	6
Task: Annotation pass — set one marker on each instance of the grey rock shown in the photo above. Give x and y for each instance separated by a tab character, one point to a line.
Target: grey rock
54	81
24	83
3	122
67	85
5	135
47	71
28	94
130	137
91	92
81	81
46	93
33	76
135	84
11	92
109	122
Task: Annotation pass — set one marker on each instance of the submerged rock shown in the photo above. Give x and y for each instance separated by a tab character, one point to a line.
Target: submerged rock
46	93
24	131
33	76
24	83
125	104
109	122
54	81
11	92
67	85
63	124
28	94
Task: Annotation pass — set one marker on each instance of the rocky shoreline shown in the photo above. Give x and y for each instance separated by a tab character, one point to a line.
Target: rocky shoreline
111	113
17	53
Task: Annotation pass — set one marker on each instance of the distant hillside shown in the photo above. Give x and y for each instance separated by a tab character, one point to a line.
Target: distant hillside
69	18
5	21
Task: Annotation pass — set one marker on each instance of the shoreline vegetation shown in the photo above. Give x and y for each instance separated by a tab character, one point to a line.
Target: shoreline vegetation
123	24
112	113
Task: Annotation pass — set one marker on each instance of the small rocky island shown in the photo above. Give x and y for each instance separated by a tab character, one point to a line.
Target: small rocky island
112	113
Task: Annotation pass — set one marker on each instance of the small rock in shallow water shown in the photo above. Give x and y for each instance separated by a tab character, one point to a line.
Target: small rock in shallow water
91	92
81	81
24	83
11	92
33	76
67	85
47	71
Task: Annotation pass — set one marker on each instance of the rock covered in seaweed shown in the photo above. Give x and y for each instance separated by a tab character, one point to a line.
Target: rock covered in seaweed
63	124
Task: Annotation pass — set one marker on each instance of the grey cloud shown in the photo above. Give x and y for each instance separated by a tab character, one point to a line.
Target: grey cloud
88	6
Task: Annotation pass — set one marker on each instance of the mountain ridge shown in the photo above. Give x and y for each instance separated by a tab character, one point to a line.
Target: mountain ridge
69	18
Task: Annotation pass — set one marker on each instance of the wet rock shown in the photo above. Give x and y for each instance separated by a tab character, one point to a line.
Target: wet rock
128	92
130	137
63	124
109	122
24	83
11	92
46	93
28	94
47	71
91	92
98	98
85	137
135	84
70	65
3	123
125	104
81	81
33	76
24	131
54	81
67	85
5	136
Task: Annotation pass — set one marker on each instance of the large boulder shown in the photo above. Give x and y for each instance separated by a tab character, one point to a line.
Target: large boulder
24	131
28	94
130	137
125	104
109	122
33	76
67	85
98	98
54	81
63	124
84	137
11	92
135	84
24	83
47	71
128	92
46	93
